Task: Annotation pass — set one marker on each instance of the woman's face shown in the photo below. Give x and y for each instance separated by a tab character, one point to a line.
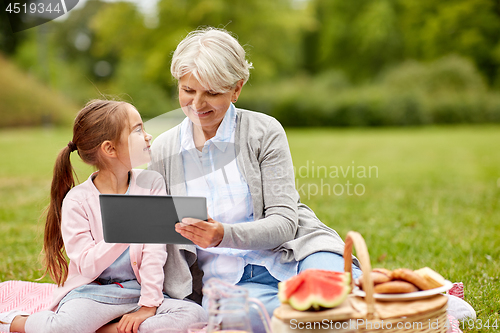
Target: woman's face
135	142
204	107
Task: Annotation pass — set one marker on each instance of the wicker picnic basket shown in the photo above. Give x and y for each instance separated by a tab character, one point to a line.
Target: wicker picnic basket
366	314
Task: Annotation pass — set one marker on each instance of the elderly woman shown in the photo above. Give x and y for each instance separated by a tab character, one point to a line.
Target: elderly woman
258	232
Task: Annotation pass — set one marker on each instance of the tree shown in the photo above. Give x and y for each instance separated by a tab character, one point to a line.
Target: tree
9	40
359	37
362	37
467	27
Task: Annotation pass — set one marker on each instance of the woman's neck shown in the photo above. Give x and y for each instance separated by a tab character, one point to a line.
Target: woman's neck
202	134
112	182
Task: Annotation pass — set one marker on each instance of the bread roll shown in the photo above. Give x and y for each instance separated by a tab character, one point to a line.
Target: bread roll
412	277
383	271
395	287
434	279
377	278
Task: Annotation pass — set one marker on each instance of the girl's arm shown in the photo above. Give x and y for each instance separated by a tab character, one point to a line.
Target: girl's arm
151	274
91	257
154	257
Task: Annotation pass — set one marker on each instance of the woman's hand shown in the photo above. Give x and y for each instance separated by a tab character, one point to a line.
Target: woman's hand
202	233
131	321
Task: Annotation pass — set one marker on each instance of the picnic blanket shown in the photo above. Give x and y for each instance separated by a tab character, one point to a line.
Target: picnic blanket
25	296
33	297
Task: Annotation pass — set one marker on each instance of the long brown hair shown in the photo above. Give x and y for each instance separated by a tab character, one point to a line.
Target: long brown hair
98	121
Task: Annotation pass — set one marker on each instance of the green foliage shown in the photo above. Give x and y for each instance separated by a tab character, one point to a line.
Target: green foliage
448	90
138	50
466	27
118	31
270	29
364	37
8	40
147	97
450	74
360	37
24	101
316	62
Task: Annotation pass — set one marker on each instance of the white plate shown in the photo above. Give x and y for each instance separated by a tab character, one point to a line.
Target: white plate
407	296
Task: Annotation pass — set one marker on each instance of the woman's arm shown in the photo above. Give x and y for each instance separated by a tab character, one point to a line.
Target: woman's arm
279	196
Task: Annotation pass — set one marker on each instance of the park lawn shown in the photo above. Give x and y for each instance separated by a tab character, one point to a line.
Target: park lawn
424	196
28	156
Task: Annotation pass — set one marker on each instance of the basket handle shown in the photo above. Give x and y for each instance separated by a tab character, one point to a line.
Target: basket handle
355	238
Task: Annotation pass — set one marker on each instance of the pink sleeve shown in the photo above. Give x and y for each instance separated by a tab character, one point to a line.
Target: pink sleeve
158	187
154	257
151	274
90	258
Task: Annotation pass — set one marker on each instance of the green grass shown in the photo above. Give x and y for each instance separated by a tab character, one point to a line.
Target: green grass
434	203
27	156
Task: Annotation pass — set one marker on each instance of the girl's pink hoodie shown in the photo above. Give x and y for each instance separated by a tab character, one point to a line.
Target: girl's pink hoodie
89	255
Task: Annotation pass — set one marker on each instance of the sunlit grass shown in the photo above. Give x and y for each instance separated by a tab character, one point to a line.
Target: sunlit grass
434	203
28	156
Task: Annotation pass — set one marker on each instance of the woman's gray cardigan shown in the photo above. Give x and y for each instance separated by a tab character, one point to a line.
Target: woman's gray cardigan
282	223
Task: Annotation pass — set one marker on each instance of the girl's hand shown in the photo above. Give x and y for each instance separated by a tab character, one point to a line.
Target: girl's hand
131	321
202	233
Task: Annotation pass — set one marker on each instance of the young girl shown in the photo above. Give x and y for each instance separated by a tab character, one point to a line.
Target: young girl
103	281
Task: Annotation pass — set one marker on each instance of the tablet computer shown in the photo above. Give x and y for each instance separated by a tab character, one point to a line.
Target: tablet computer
147	218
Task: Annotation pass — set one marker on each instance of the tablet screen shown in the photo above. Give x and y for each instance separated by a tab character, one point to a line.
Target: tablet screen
148	218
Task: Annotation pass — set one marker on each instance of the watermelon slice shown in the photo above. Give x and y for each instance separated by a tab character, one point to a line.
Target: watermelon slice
287	288
314	288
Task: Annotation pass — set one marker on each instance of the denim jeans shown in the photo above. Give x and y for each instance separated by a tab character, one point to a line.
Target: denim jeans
263	286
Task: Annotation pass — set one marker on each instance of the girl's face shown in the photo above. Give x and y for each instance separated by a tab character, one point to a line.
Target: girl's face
204	107
135	143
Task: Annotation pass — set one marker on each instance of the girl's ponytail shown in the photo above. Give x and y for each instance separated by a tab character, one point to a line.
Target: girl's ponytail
53	246
97	122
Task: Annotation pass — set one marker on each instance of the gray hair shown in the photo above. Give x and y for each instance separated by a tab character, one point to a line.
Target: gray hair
214	57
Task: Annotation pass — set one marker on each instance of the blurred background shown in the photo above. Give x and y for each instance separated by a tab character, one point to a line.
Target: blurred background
317	62
410	88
